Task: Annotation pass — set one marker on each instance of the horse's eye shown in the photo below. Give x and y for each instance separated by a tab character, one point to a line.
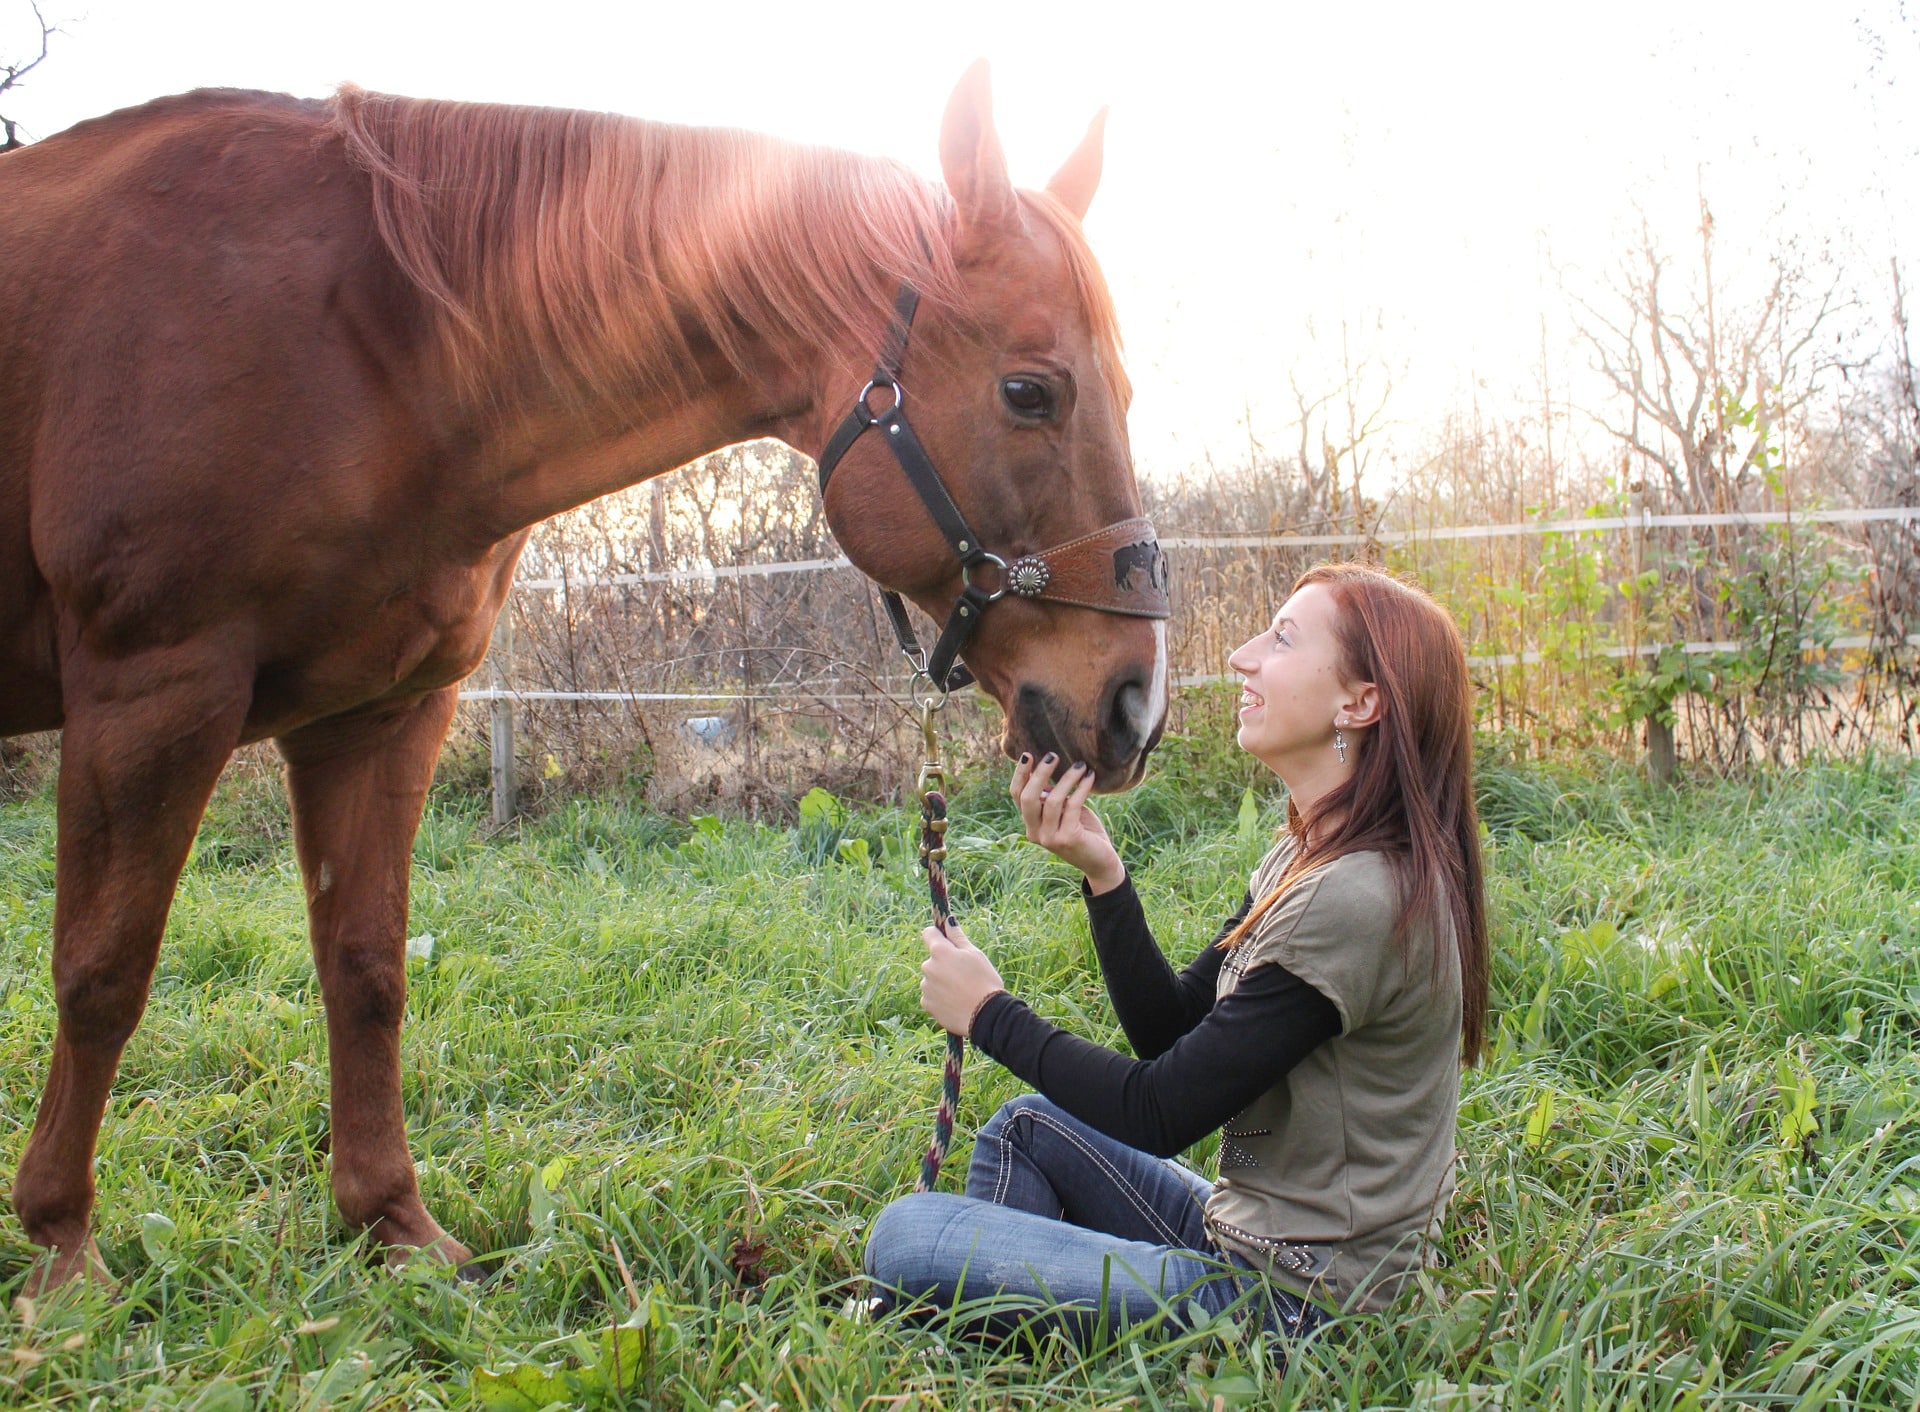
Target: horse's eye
1028	397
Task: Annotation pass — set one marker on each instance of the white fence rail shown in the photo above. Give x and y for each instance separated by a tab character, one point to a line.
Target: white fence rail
1600	524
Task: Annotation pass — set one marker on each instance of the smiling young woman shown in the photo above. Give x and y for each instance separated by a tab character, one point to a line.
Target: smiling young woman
1322	1035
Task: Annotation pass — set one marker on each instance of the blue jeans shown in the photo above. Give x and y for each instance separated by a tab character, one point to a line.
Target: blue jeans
1063	1227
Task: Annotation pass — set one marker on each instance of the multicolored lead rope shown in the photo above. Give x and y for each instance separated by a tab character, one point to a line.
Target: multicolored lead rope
933	854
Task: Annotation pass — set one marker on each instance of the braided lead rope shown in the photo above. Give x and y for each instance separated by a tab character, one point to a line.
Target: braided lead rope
933	854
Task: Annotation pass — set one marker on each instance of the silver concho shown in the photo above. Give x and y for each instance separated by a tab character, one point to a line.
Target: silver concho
1027	578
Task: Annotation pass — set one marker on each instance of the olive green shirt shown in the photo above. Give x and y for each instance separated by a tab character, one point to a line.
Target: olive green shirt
1333	1179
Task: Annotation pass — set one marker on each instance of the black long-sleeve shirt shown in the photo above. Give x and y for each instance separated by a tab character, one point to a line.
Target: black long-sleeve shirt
1200	1061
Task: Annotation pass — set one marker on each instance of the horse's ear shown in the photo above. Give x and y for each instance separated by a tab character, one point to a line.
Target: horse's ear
970	156
1079	175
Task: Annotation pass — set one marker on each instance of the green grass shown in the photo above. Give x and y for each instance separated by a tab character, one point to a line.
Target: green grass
1690	1172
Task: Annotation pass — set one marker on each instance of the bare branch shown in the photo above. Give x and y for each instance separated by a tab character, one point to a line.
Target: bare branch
1672	352
11	74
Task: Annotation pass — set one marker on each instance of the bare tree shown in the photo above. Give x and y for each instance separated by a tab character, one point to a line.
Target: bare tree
1714	399
11	74
1707	389
1345	421
1315	484
1884	425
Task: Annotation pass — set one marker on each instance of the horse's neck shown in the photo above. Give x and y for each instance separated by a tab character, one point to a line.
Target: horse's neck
729	381
555	462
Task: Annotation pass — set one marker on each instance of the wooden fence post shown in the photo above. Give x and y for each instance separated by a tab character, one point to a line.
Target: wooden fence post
500	736
1661	753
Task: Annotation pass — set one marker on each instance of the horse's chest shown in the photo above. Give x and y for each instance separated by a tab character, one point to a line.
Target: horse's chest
431	636
410	640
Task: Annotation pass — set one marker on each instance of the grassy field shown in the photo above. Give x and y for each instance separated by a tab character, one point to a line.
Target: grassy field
643	1054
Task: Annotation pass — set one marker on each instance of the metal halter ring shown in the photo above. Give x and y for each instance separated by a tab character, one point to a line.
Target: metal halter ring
966	574
933	698
899	399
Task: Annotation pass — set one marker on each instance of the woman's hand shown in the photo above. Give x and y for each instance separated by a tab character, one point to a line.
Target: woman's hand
1057	818
955	979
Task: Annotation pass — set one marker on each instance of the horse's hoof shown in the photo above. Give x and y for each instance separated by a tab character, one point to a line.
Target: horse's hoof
483	1270
443	1249
449	1255
474	1270
58	1272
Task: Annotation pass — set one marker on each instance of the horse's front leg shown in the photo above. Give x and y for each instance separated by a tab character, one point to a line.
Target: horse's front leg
357	786
145	739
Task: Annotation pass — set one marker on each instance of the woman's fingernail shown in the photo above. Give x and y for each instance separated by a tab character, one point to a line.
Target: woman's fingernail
1026	759
1079	764
1048	758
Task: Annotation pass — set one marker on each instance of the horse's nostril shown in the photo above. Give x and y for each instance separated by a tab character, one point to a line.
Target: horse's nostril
1127	721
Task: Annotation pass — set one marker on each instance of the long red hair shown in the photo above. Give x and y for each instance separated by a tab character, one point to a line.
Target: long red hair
1410	794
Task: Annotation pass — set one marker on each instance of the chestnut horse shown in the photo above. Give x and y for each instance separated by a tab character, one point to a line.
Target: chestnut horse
283	386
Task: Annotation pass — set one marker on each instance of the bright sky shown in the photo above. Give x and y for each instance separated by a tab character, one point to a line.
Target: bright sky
1416	171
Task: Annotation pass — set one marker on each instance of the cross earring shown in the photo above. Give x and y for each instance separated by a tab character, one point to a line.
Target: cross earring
1340	743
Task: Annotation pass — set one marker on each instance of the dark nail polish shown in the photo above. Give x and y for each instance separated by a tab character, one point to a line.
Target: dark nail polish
1079	764
1025	758
1048	758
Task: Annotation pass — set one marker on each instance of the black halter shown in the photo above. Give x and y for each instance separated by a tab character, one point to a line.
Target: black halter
943	668
1071	573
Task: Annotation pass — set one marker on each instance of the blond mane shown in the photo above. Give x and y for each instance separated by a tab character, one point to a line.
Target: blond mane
610	252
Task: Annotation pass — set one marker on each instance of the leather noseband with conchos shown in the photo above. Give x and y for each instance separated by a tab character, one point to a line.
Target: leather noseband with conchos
1118	569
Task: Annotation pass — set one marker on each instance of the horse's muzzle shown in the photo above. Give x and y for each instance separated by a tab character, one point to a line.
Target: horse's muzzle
1125	728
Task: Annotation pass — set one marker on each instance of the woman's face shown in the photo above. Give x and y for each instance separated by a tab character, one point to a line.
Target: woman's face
1291	693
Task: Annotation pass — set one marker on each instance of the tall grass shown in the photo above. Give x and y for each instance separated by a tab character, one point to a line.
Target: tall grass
643	1055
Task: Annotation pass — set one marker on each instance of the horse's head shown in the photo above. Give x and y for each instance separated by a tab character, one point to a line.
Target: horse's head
1014	388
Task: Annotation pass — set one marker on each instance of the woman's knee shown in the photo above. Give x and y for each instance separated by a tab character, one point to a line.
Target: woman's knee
1016	1116
901	1244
